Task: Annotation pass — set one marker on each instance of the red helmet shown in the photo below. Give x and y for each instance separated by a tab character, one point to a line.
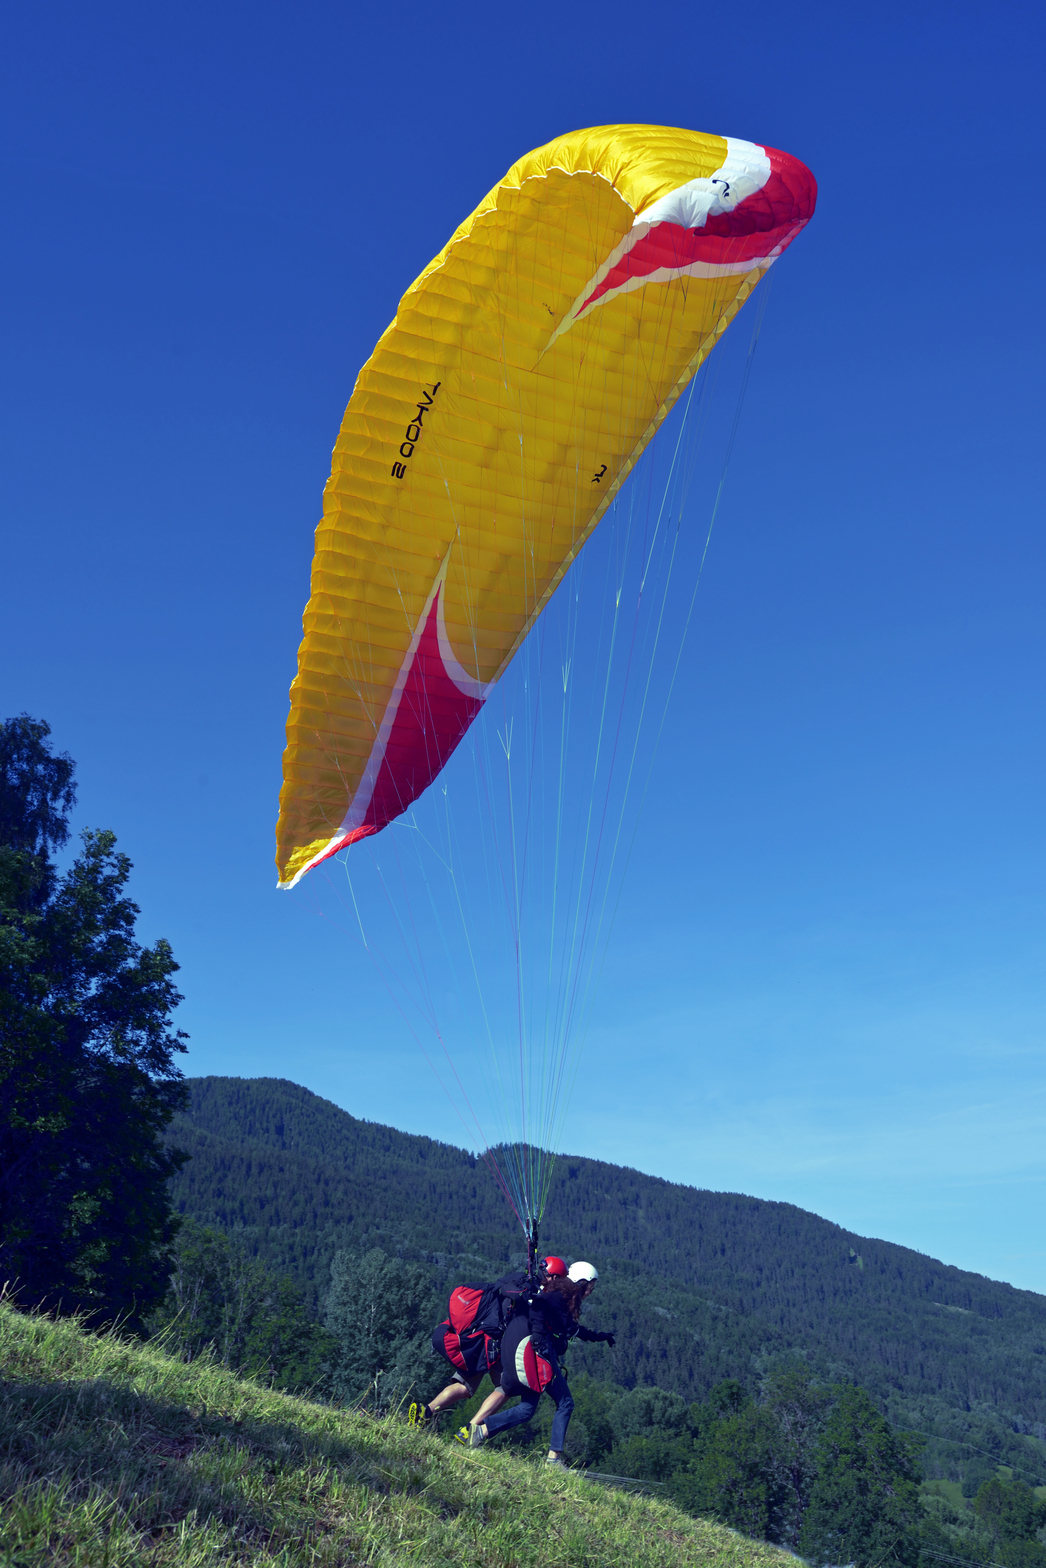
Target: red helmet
555	1267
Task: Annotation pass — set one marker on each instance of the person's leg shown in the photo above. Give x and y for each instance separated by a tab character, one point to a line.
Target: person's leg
446	1345
463	1387
558	1391
493	1402
453	1394
503	1419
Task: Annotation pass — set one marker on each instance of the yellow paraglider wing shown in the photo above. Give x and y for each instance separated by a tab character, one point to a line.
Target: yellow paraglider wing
525	371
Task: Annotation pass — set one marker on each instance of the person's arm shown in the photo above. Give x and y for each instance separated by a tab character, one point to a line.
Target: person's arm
594	1336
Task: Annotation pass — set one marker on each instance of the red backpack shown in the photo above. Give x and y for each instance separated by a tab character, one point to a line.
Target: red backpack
475	1309
470	1336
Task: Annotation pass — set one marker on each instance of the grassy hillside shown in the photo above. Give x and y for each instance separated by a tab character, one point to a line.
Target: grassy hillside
114	1454
698	1285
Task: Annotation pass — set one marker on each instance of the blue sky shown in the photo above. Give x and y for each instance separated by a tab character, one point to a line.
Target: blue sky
826	983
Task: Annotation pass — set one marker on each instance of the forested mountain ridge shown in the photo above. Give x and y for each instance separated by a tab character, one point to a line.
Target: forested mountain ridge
698	1285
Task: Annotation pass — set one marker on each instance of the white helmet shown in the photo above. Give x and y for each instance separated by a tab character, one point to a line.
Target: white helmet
581	1273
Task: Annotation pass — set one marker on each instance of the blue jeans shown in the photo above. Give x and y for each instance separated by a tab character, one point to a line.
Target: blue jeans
561	1397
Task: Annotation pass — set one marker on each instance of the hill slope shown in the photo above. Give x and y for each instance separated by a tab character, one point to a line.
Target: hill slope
114	1453
698	1285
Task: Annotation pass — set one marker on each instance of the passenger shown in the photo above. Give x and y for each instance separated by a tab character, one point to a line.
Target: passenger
586	1275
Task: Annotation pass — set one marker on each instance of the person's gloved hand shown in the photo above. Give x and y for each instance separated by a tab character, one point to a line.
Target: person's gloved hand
608	1339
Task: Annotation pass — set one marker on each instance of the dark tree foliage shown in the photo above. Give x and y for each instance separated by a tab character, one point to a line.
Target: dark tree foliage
88	1082
734	1477
645	1410
651	1433
36	794
224	1303
1010	1512
1012	1517
716	1459
1003	1523
797	1405
380	1313
801	1462
864	1503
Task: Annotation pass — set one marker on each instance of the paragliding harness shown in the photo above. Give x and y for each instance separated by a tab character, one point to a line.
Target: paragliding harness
470	1336
525	1367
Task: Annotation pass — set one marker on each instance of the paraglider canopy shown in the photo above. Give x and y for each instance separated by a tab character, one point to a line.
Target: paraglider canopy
500	413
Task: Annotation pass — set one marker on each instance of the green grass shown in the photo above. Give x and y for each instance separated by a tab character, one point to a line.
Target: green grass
113	1454
951	1491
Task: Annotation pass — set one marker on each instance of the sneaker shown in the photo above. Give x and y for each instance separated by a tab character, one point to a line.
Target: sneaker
464	1436
477	1437
557	1462
419	1415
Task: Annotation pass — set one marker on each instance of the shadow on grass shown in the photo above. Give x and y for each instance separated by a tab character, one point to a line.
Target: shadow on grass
163	1461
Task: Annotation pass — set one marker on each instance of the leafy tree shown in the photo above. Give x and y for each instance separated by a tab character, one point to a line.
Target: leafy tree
1001	1525
976	1470
36	794
651	1431
1020	1554
1012	1516
734	1478
379	1311
1010	1511
88	1082
591	1434
253	1319
728	1397
798	1405
649	1411
864	1505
